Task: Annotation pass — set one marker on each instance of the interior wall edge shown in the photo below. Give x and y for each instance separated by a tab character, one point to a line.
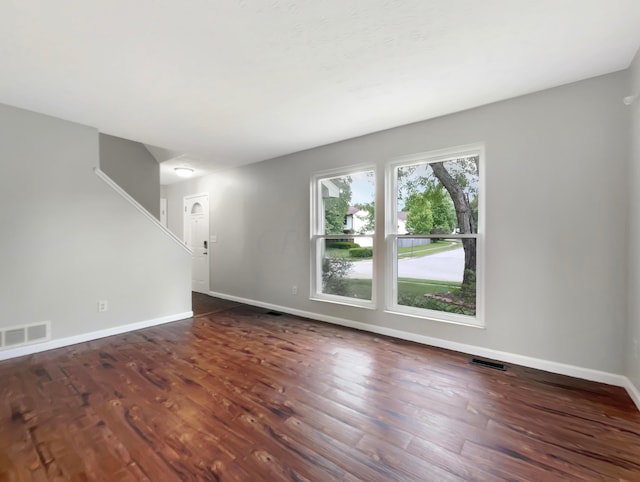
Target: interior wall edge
127	197
633	391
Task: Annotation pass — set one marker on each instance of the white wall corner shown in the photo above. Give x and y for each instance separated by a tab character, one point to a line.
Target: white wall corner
634	392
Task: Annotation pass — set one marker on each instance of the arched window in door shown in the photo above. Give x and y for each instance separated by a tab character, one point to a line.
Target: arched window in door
197	208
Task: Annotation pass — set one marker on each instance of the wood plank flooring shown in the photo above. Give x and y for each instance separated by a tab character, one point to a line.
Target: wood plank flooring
239	394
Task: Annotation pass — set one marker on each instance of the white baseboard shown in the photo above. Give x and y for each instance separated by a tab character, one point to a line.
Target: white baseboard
94	335
527	361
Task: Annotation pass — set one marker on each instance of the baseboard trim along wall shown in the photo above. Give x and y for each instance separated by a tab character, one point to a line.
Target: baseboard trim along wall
94	335
531	362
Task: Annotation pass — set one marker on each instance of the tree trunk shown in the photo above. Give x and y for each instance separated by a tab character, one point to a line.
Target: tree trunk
466	223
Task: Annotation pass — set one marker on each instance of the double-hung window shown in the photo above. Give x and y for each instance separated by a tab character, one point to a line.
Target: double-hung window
433	219
434	235
342	236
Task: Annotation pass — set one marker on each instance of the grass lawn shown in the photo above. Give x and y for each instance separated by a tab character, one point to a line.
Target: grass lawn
424	250
409	252
361	288
412	291
337	253
420	287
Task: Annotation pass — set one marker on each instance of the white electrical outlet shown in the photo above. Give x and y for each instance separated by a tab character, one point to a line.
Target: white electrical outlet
103	305
294	290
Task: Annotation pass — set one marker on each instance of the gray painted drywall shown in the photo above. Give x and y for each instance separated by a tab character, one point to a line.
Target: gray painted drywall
133	168
68	240
556	215
633	338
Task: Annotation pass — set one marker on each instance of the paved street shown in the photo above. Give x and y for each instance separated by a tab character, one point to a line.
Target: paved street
444	266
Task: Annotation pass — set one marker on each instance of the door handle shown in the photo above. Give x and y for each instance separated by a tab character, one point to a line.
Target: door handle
205	244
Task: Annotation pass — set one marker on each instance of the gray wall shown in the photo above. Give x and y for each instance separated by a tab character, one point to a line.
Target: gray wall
633	349
68	240
133	168
556	222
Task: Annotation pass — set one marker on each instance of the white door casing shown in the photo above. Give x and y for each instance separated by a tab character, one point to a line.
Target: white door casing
196	237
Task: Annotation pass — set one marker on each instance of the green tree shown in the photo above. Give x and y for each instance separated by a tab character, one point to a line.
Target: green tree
336	208
419	215
369	225
460	179
474	208
455	185
444	214
334	276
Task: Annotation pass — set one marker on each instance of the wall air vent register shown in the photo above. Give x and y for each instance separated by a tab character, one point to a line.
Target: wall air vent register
15	336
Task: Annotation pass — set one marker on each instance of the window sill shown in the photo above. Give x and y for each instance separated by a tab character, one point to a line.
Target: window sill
344	302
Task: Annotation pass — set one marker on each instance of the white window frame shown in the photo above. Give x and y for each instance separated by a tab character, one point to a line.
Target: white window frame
317	236
391	234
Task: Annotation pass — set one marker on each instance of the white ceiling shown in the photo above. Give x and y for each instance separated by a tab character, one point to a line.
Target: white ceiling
229	82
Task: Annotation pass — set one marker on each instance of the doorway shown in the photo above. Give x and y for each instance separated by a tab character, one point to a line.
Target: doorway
196	237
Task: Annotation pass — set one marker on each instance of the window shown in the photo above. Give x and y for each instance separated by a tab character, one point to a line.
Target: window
434	219
342	237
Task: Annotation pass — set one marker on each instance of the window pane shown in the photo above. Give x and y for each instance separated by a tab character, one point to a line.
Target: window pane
431	274
438	197
347	267
347	204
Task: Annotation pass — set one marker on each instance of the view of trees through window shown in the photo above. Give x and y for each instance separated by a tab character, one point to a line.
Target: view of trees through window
347	205
440	202
435	237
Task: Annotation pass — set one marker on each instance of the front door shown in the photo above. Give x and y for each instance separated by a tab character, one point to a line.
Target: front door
196	236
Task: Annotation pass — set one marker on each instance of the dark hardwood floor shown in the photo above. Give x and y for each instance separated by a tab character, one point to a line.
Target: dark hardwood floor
239	394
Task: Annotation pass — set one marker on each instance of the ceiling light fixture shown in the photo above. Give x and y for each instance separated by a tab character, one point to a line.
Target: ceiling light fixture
183	171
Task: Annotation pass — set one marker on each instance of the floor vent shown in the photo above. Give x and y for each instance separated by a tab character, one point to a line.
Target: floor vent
489	364
14	336
274	313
